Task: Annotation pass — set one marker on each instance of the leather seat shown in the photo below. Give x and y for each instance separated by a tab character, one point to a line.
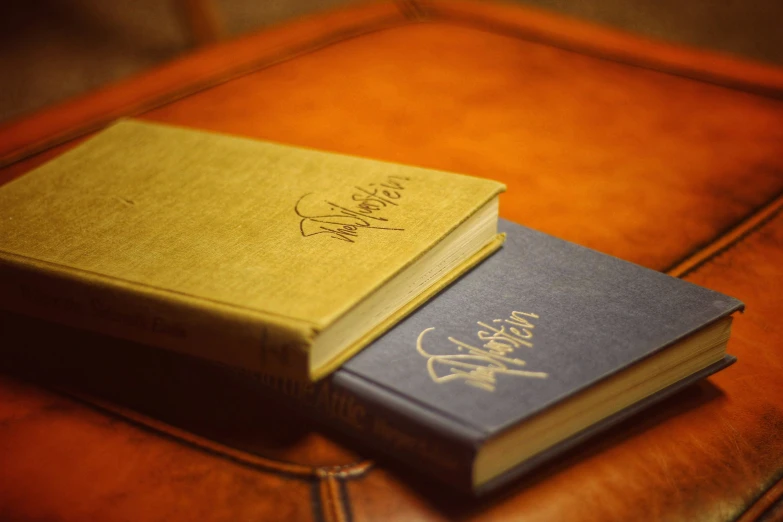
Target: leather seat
664	156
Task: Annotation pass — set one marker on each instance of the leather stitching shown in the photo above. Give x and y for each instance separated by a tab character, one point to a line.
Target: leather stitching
727	239
497	26
331	499
326	501
216	449
761	507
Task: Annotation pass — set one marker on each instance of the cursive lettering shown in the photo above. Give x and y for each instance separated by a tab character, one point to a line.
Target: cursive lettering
344	222
479	366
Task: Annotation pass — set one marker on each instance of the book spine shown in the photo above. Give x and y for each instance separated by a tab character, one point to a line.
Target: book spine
218	332
424	440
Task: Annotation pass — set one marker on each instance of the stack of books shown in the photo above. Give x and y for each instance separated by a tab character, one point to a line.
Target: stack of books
380	298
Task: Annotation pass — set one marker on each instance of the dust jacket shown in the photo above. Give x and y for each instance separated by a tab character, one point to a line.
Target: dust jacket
510	365
256	255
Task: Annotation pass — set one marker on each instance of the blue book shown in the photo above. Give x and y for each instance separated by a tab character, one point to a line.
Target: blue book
541	346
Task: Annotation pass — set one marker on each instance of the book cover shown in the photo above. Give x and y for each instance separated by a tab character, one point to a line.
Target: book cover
534	339
239	251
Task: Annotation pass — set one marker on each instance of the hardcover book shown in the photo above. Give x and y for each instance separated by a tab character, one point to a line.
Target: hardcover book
257	255
543	344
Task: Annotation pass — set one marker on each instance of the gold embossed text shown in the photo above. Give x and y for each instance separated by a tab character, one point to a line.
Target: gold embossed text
344	221
479	366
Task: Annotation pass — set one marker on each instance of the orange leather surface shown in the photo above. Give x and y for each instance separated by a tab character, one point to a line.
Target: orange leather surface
663	156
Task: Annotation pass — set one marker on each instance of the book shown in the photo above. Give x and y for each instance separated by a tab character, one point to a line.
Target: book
544	344
256	255
538	348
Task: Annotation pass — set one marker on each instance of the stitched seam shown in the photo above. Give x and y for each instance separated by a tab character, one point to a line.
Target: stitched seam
326	501
767	207
315	501
345	501
335	499
494	26
299	471
350	471
769	511
749	225
761	497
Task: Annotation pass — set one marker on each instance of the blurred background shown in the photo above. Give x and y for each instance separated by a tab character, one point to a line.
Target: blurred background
55	49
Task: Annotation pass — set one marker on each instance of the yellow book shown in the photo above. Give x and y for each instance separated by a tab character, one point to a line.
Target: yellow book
257	255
